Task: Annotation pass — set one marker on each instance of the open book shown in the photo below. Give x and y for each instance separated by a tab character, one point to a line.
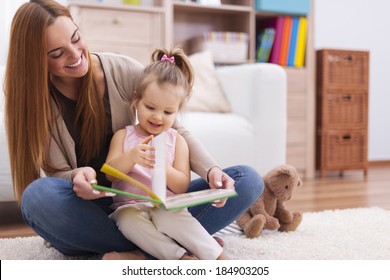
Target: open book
157	195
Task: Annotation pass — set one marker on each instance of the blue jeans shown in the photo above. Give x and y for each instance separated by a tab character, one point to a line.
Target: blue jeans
79	227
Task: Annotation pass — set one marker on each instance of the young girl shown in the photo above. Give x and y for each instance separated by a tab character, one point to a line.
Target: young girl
164	87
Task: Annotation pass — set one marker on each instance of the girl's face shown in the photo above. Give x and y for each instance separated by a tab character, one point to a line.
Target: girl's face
158	107
66	49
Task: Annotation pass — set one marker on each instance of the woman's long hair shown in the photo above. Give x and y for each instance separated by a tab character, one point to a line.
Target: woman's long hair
29	116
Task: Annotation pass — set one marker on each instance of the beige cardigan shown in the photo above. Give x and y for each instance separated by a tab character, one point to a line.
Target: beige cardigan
122	74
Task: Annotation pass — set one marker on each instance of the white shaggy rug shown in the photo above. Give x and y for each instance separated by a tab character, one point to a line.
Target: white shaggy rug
350	234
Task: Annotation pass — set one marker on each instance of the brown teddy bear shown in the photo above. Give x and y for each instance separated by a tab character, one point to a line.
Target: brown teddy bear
269	211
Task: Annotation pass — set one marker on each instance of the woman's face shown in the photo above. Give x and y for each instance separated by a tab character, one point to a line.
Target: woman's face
67	49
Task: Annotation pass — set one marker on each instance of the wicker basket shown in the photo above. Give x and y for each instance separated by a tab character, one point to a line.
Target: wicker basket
344	109
345	149
341	69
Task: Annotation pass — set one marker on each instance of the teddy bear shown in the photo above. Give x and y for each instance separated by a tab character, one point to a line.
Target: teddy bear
269	211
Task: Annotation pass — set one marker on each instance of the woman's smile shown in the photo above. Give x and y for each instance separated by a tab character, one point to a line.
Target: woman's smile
77	63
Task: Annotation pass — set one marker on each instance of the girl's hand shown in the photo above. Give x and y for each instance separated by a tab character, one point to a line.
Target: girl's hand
219	179
142	154
83	178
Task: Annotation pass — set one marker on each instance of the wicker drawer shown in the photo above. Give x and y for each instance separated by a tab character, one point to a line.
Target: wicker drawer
343	149
341	69
343	109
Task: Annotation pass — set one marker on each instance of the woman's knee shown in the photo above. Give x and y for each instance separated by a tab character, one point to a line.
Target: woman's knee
46	188
248	181
255	180
42	192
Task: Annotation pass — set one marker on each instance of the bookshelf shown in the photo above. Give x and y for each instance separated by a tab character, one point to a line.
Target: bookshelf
116	28
300	103
189	20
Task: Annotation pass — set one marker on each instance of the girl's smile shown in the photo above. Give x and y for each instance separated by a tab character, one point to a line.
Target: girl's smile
158	107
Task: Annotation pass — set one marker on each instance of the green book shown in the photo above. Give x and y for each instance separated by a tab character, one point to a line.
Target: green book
157	195
178	201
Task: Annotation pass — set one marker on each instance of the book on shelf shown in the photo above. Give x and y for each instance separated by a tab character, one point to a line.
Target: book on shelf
285	44
293	42
157	193
289	40
265	41
275	51
301	42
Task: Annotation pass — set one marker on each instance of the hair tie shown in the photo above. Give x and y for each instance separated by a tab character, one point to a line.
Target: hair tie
169	59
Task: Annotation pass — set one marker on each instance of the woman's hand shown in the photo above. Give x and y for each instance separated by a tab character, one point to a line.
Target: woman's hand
219	179
83	178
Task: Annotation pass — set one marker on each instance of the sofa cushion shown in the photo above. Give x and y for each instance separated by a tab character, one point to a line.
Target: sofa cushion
207	95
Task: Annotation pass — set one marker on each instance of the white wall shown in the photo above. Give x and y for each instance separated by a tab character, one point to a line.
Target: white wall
362	25
7	11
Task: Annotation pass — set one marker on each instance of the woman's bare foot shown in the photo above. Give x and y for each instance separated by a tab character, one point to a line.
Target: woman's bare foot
188	257
131	255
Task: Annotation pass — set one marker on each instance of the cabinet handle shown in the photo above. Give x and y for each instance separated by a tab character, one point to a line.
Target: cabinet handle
117	20
347	58
346	98
338	58
346	137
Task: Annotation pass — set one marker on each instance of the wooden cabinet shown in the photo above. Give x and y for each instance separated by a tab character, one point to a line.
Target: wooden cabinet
342	110
300	128
136	30
125	29
300	105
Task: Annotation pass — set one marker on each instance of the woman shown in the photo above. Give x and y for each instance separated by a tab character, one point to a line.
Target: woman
63	105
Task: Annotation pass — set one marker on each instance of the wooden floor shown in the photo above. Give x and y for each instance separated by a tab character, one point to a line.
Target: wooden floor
333	192
348	191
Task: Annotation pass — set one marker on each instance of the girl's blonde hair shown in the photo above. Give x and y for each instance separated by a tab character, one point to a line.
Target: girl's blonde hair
168	66
29	115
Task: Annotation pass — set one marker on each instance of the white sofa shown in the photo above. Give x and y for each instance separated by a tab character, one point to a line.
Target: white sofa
254	133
